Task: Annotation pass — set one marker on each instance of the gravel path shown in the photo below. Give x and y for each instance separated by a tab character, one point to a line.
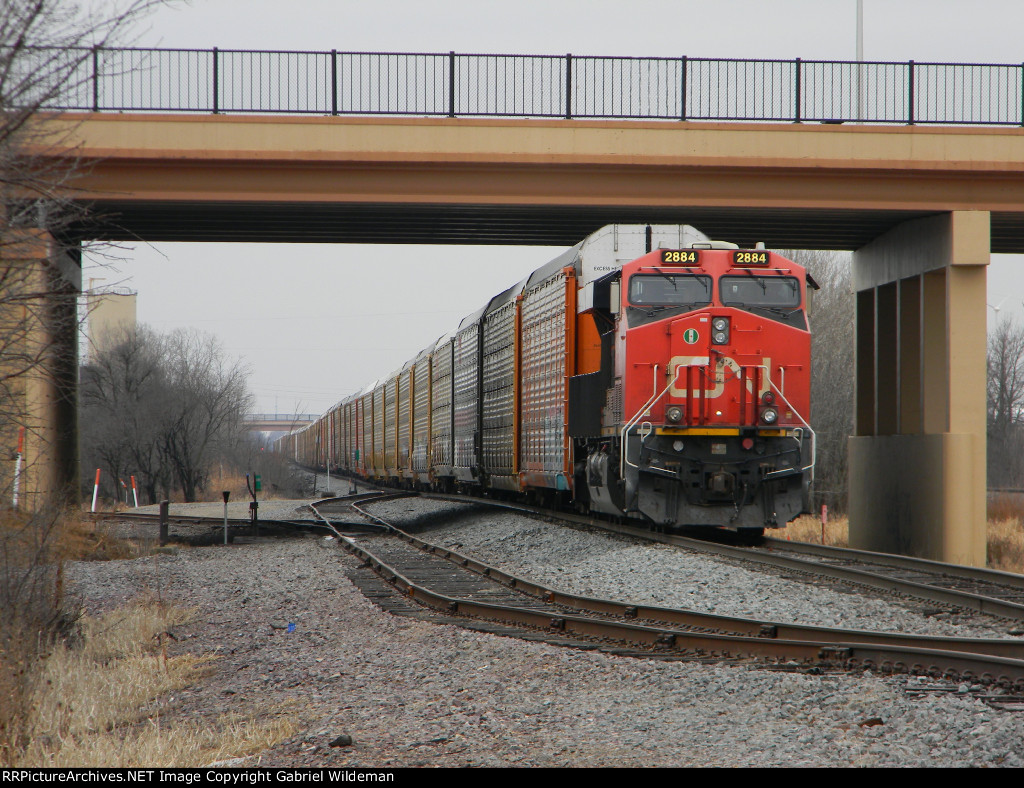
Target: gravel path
414	693
592	563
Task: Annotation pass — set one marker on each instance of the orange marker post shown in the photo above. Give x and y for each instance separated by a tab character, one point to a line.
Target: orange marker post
135	492
824	519
95	489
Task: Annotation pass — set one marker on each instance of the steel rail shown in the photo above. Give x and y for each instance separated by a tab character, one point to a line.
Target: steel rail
691	618
978	603
985	659
955	571
191	519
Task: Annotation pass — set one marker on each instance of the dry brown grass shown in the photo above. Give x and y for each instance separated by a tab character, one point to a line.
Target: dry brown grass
98	705
32	616
1006	544
218	482
1005	532
87	692
70	537
807	528
1005	506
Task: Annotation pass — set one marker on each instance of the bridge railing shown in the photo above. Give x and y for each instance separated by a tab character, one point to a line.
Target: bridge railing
297	418
538	86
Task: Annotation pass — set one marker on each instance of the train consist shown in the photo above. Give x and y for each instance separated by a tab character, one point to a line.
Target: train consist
646	373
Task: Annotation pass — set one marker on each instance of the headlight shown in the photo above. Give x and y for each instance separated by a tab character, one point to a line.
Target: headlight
674	414
720	331
769	415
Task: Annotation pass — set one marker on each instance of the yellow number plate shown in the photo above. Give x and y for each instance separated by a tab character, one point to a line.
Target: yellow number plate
750	258
680	257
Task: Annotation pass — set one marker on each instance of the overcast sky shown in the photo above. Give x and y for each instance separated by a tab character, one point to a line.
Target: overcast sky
317	322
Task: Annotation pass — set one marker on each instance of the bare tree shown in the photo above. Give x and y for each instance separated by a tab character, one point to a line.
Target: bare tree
124	399
44	45
210	398
1006	405
832	370
163	408
46	51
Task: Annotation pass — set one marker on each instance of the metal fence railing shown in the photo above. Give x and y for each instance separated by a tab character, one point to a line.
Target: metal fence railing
283	417
537	86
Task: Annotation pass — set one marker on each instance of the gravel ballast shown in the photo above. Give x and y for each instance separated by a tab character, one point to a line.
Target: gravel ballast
592	563
413	693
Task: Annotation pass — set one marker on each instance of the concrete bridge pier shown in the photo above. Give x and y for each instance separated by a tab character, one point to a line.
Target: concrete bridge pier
39	369
917	460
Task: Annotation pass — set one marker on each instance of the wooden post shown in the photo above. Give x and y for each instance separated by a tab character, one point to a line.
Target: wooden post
164	505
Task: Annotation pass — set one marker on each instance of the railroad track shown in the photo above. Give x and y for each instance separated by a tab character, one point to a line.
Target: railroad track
985	591
461	587
240	525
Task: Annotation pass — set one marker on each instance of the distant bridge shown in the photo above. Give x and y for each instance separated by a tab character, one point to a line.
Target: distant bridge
278	422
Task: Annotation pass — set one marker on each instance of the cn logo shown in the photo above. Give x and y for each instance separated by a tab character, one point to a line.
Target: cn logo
715	373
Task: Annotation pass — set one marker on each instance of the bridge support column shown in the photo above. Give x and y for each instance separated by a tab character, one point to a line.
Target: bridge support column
38	370
917	460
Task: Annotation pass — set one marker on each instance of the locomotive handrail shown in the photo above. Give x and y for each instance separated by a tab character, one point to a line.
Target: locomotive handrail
810	429
637	416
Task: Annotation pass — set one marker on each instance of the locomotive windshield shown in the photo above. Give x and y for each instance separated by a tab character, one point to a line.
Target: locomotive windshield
670	290
781	292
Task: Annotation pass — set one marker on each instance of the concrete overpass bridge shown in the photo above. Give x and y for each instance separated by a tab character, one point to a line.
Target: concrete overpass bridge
278	422
923	206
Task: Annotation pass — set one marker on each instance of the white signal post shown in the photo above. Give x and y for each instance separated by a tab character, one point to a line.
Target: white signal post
135	492
17	465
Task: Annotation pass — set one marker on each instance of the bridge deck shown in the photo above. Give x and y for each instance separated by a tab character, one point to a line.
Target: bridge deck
439	180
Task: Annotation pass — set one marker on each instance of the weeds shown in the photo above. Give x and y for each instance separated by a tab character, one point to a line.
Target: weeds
1004	533
96	705
32	617
83	691
807	528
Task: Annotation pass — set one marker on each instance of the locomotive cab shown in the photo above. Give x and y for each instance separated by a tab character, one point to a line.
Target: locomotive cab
705	419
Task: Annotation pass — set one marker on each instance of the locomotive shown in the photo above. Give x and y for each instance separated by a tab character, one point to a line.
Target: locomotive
647	373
